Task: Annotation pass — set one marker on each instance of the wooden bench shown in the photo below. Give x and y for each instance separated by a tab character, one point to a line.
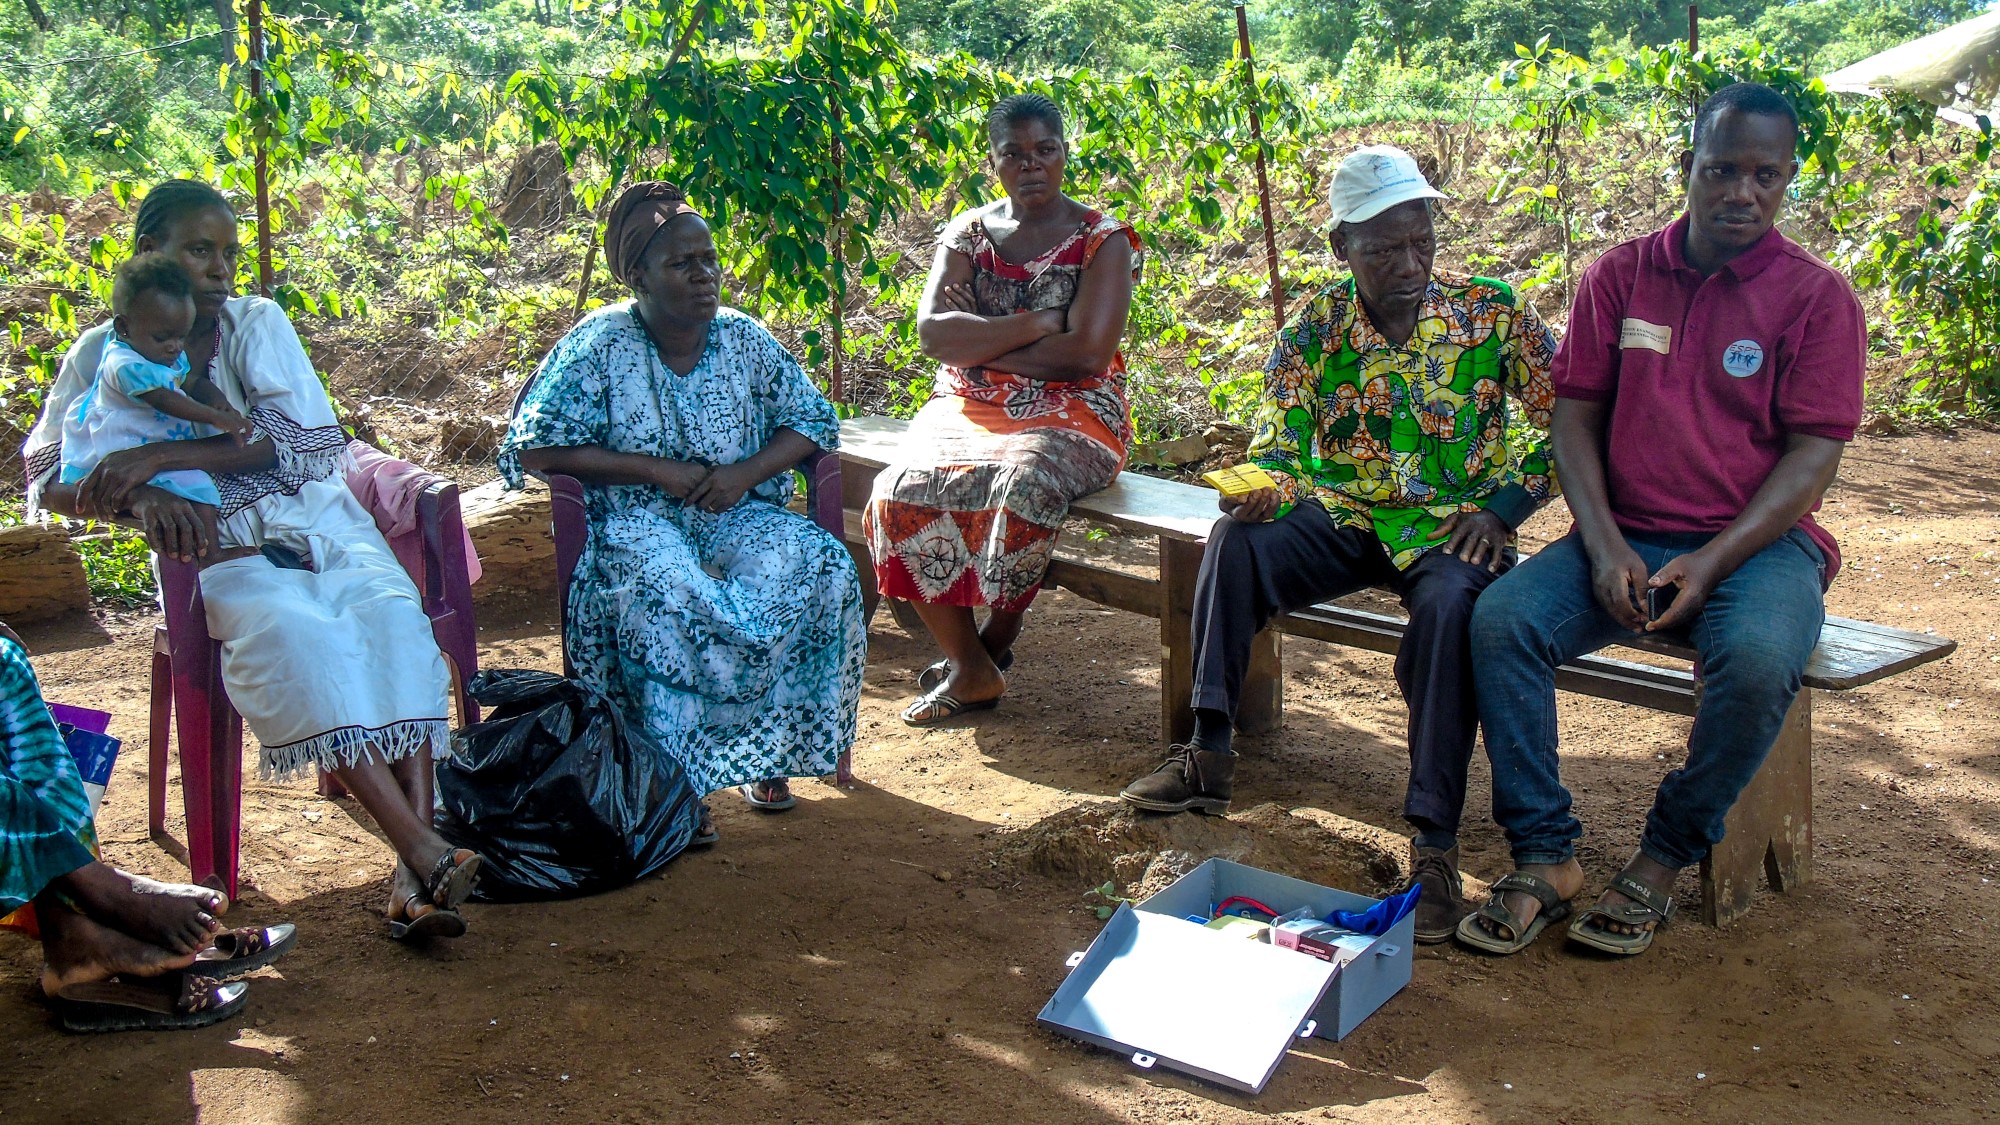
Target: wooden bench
1770	827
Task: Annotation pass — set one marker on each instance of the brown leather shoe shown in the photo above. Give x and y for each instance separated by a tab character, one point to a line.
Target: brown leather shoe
1440	906
1190	780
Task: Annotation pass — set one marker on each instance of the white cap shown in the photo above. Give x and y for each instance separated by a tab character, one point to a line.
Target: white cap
1373	179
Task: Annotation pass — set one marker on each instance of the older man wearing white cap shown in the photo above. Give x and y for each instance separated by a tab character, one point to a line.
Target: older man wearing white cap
1385	427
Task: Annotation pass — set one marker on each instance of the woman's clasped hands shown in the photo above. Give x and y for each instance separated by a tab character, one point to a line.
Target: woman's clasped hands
711	489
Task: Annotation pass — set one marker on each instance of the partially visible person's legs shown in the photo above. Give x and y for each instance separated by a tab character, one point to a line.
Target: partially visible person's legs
95	922
45	819
970	521
1000	630
175	918
78	949
430	874
1250	572
1755	634
974	677
1539	616
1434	670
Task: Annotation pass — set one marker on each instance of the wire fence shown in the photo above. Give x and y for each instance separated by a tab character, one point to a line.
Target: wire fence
429	279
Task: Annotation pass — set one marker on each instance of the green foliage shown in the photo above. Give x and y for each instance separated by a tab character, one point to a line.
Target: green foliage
117	563
1104	900
1943	279
102	104
1677	81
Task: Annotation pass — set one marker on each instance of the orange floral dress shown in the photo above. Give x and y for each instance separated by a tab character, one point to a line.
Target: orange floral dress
970	518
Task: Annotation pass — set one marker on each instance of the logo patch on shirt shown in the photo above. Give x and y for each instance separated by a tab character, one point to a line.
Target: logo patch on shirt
1638	333
1743	358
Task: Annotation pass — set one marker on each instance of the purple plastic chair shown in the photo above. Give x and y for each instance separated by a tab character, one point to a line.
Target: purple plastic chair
187	686
823	506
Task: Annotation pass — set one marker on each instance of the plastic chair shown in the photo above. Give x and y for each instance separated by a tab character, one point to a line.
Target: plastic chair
187	686
571	527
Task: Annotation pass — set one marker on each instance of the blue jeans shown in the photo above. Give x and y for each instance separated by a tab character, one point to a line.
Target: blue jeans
1754	635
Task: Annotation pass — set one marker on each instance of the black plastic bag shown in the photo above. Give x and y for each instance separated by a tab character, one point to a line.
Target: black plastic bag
559	795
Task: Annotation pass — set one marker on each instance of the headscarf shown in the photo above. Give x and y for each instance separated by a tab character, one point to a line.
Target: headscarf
635	219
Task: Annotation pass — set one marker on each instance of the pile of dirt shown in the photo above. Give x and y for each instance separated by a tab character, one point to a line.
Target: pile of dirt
1143	853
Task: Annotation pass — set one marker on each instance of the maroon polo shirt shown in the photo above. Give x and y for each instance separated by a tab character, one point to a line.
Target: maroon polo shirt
1707	376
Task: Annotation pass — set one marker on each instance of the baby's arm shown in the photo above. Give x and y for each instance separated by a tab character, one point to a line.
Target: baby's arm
190	408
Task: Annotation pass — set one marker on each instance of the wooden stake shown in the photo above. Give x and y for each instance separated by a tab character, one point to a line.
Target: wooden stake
1694	44
837	383
1263	180
618	181
261	157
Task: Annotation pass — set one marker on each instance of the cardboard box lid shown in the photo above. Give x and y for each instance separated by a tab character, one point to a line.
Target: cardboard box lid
1163	989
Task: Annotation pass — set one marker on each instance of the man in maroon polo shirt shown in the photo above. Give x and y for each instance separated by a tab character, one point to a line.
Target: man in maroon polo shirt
1710	377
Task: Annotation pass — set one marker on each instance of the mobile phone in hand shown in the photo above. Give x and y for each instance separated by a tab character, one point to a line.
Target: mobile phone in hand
1658	598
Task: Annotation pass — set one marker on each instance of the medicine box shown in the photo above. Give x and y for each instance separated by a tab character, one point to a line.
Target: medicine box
1171	992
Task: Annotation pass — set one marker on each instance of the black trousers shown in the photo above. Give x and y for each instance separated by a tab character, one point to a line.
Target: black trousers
1252	572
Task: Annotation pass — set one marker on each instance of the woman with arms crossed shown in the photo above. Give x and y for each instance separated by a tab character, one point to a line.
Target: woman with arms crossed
1024	309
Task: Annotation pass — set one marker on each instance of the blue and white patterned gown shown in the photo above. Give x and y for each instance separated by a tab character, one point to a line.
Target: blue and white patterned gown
734	638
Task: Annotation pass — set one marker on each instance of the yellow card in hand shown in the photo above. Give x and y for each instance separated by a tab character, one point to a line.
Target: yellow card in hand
1240	480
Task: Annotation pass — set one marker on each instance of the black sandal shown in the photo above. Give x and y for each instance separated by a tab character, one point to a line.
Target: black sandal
423	918
1647	905
452	878
705	834
1521	934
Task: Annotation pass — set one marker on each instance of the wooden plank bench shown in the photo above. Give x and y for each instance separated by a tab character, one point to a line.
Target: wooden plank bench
1770	827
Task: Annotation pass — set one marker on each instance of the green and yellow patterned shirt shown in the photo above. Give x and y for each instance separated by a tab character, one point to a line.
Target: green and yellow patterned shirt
1397	438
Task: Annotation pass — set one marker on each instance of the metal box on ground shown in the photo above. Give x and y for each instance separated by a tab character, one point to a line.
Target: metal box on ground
1167	991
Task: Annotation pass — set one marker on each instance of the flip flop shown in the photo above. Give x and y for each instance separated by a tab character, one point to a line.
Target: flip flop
177	1001
750	794
935	707
426	920
452	878
236	952
936	673
1648	905
705	834
1554	909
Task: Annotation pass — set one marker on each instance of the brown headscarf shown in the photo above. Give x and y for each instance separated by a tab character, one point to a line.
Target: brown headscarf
637	216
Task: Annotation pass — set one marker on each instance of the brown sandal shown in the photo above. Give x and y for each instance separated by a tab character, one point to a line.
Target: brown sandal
236	952
174	1002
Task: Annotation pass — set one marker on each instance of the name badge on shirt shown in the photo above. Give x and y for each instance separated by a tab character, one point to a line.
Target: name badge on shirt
1643	334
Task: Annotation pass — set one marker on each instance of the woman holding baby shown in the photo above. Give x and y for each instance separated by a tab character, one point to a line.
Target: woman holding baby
326	651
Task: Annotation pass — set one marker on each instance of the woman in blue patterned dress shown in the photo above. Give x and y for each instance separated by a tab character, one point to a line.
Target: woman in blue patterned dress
725	626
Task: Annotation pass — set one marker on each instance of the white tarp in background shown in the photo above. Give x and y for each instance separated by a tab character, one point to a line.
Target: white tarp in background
1957	70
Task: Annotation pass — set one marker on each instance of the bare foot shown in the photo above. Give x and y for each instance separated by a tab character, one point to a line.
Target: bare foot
408	901
80	950
214	901
1647	870
975	684
175	922
772	789
1566	878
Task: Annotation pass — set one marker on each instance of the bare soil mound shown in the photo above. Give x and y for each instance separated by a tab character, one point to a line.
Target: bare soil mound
1143	853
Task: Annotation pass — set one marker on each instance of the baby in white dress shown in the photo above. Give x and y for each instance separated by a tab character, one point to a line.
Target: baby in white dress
144	392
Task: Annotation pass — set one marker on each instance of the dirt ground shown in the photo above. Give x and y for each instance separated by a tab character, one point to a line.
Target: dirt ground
880	953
